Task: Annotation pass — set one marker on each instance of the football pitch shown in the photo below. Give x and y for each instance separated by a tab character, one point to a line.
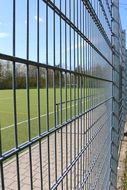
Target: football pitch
62	105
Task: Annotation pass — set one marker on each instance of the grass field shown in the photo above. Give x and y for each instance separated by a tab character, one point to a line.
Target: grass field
7	118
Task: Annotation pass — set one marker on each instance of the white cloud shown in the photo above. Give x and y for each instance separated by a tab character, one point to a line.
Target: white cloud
77	46
35	17
40	19
0	23
4	34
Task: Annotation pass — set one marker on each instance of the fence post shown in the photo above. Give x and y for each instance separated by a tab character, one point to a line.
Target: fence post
115	94
125	69
124	81
57	110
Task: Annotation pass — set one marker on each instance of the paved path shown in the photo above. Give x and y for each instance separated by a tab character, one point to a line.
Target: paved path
73	138
121	164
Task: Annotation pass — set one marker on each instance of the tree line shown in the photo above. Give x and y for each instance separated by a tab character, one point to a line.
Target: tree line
60	78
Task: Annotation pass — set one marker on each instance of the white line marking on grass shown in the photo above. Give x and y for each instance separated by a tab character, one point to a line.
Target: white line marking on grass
6	112
3	128
5	98
7	127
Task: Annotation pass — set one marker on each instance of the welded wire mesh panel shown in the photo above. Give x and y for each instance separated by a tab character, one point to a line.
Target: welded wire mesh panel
55	94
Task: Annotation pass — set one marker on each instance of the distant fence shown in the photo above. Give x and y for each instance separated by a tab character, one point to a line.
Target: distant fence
74	50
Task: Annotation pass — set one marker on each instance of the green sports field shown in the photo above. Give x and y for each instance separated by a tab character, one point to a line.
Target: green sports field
7	117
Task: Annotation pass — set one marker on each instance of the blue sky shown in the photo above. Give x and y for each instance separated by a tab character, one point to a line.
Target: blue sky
6	18
123	15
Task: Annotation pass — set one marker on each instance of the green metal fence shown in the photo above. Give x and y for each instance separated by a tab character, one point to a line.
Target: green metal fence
62	94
